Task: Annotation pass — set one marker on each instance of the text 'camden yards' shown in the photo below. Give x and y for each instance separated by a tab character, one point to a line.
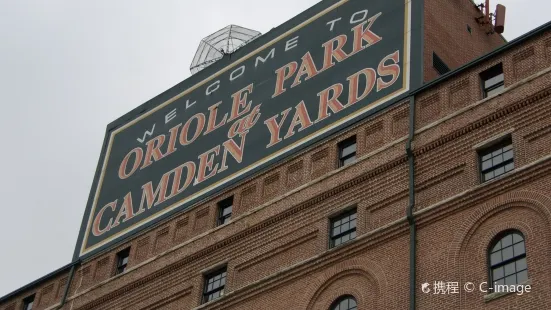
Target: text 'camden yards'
301	86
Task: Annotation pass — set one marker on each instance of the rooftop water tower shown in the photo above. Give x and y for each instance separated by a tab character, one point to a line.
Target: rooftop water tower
223	42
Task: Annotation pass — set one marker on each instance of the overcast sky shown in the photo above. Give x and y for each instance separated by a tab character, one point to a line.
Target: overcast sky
68	68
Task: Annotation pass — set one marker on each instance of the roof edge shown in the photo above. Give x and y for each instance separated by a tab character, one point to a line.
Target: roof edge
476	61
39	280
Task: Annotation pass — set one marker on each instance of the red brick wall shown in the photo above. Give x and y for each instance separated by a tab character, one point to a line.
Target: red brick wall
446	34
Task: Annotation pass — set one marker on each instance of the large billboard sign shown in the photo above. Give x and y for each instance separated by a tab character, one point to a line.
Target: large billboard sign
279	94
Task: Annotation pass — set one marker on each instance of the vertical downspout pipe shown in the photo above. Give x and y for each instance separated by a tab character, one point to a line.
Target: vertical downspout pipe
410	217
68	285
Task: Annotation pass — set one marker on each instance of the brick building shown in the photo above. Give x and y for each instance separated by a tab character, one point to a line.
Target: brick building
460	165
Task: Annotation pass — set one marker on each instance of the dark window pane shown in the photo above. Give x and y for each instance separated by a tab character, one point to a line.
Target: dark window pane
508	155
344	303
497	246
489	176
507	241
122	260
512	268
517	238
522	276
521	264
500	282
518	249
498	273
509	167
28	305
511	280
345	226
345	238
225	208
494	91
493	81
439	65
507	253
214	285
499	171
495	258
349	150
349	160
227	211
486	164
509	269
497	160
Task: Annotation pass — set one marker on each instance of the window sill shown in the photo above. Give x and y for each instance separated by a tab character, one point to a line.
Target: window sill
342	244
496	295
498	177
493	95
220	225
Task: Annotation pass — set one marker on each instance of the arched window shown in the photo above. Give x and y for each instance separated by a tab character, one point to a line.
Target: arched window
507	259
345	302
